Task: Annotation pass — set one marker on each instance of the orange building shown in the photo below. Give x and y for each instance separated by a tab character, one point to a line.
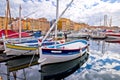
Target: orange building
40	24
65	24
26	25
68	25
2	23
32	24
15	24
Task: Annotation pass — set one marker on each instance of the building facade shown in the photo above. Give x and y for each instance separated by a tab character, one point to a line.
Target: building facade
41	24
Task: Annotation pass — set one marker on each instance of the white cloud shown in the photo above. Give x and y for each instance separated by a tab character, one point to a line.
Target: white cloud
88	11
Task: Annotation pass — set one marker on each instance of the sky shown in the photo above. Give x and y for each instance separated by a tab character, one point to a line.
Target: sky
91	12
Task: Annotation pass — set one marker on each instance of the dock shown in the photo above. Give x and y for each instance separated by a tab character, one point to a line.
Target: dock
4	57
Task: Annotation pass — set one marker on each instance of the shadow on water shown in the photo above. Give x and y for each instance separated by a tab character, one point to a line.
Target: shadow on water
61	70
56	71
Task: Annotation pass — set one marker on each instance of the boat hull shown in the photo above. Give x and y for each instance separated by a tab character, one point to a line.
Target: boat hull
62	52
58	71
52	57
20	50
25	48
113	35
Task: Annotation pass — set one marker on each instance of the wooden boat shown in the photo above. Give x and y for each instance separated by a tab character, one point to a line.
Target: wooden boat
10	34
66	68
62	52
67	56
19	49
27	47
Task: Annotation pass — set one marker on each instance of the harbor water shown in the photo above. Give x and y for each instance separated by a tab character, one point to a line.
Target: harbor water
103	63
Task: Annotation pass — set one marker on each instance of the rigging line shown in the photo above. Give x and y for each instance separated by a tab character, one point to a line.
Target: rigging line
51	29
30	13
55	22
31	60
26	17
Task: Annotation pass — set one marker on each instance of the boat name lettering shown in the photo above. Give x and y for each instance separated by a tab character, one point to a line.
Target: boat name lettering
56	51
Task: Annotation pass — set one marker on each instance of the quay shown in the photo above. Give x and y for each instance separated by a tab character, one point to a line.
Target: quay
4	57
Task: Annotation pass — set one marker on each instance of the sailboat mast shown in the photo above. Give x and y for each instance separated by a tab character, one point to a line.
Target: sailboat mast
20	23
40	45
57	14
6	15
52	27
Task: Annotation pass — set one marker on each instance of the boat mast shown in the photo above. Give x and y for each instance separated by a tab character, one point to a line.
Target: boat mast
7	12
57	14
56	22
41	59
20	22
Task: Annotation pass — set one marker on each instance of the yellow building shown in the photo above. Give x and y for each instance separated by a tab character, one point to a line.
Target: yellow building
15	24
26	25
68	25
2	23
78	26
40	24
44	25
65	24
32	24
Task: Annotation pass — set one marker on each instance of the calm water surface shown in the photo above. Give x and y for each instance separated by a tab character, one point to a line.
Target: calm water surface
103	64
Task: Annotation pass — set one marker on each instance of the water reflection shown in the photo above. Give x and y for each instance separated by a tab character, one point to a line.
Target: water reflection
103	63
24	69
21	69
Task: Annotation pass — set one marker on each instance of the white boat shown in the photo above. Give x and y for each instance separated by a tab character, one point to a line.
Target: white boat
62	52
17	40
28	47
11	35
98	35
